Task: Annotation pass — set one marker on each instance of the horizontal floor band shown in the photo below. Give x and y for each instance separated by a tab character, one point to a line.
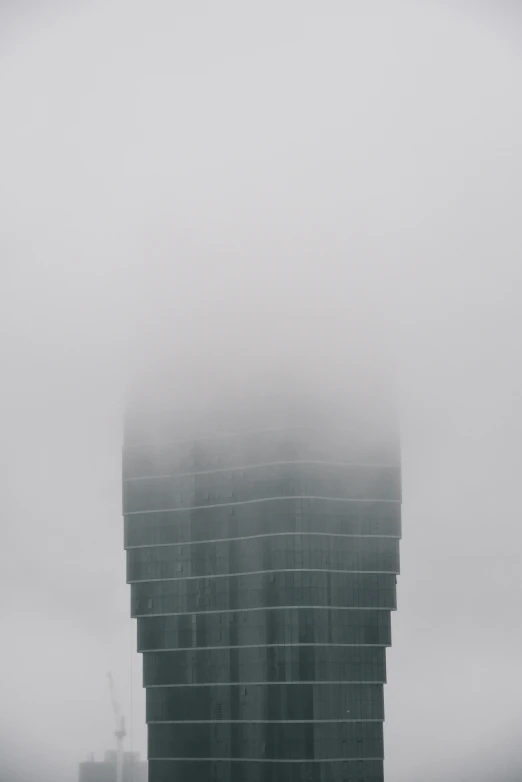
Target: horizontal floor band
273	760
265	608
253	646
262	684
261	499
238	467
254	722
264	572
263	535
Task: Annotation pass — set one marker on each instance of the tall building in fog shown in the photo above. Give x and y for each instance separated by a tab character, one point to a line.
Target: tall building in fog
263	553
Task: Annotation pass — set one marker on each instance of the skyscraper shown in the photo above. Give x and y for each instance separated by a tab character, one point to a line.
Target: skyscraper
262	553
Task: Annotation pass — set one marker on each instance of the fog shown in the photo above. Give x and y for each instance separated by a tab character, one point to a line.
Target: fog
277	185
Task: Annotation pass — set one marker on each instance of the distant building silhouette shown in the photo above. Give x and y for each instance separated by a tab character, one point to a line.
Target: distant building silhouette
262	553
134	770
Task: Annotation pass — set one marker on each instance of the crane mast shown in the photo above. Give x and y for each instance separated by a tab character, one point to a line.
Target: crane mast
119	732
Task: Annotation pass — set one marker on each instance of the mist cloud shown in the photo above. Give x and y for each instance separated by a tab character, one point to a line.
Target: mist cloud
238	186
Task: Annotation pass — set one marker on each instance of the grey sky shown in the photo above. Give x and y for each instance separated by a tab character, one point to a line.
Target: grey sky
187	168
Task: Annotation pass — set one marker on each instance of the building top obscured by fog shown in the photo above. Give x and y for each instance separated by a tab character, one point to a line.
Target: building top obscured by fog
184	400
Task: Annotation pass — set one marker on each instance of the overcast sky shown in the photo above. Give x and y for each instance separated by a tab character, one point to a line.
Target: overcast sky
188	167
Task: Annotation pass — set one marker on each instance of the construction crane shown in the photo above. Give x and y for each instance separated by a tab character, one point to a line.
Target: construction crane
120	732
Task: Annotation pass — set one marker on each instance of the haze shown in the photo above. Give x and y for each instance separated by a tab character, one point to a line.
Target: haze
234	183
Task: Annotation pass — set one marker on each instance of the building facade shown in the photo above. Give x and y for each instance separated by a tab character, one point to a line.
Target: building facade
263	564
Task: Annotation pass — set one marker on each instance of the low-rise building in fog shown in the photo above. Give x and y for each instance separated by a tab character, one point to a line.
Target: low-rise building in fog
134	769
